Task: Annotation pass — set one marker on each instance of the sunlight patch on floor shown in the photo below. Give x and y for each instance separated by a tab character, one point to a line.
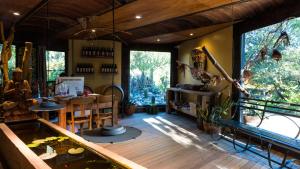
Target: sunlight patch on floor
178	134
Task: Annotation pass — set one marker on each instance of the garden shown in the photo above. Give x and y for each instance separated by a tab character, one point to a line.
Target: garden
149	77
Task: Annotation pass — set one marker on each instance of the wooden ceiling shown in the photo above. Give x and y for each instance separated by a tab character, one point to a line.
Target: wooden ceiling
168	20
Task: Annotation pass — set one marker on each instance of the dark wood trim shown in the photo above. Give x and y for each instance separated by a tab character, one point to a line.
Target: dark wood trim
125	75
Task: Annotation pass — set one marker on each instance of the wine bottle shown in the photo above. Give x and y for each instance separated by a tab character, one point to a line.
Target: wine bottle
98	52
82	51
102	51
116	69
94	51
89	52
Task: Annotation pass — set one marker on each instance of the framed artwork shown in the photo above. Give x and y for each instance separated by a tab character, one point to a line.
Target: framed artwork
69	86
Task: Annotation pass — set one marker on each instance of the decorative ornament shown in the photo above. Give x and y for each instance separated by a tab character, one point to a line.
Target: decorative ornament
276	55
247	75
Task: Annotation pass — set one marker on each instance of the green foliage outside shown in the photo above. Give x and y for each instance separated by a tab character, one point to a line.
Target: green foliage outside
274	80
149	76
55	64
11	62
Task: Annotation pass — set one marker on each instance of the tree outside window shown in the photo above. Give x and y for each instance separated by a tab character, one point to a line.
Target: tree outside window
149	76
11	62
55	64
275	80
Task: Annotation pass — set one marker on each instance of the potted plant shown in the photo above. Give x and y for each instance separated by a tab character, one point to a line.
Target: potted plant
221	111
130	107
203	119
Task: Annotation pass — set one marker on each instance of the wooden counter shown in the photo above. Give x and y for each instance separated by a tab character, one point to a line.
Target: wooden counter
175	96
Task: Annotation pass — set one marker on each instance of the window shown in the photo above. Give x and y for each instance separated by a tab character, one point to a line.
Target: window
149	77
11	62
272	79
274	76
55	64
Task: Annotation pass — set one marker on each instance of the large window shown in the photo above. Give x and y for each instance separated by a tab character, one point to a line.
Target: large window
55	64
274	68
274	79
11	62
149	76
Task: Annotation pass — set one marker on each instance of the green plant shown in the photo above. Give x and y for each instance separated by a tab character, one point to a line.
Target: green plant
203	114
221	111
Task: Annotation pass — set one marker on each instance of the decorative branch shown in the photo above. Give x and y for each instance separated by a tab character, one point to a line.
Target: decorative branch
224	73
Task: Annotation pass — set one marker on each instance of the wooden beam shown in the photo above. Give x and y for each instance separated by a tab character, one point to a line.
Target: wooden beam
152	11
32	11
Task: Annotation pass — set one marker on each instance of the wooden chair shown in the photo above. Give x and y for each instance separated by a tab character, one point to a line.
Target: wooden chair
103	102
83	103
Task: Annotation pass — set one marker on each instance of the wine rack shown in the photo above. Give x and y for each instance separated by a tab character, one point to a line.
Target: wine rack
85	68
108	68
97	52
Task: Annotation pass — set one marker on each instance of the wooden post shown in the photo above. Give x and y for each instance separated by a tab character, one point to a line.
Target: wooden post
26	56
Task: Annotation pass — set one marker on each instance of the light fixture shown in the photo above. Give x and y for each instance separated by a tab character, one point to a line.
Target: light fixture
138	16
16	13
191	34
93	30
157	40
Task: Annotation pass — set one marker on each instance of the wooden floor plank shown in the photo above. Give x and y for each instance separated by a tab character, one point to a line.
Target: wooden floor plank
171	141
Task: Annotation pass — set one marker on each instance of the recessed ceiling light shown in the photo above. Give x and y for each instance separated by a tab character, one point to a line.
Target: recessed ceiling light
138	16
16	13
157	40
191	34
93	30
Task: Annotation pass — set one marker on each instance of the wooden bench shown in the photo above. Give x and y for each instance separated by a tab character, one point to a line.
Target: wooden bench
264	110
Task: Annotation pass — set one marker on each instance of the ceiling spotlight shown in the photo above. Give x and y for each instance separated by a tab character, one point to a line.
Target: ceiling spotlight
138	17
157	40
94	30
191	34
16	13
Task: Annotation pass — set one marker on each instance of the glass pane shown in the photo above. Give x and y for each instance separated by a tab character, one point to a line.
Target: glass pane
55	64
275	75
149	76
53	74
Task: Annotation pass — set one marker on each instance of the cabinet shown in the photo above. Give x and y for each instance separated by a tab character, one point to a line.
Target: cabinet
187	101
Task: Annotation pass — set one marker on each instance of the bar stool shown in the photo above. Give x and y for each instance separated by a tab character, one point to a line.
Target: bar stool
83	103
103	102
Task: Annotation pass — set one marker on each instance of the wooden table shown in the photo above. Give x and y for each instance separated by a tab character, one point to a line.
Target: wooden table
65	101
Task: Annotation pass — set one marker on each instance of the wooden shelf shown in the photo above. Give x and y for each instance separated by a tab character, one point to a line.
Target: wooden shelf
77	73
202	93
186	110
203	100
109	72
104	57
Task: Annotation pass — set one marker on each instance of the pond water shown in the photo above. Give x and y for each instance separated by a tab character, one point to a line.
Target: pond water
47	143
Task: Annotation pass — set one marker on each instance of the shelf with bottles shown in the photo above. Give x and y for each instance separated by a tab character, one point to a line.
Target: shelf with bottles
108	68
85	68
97	52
